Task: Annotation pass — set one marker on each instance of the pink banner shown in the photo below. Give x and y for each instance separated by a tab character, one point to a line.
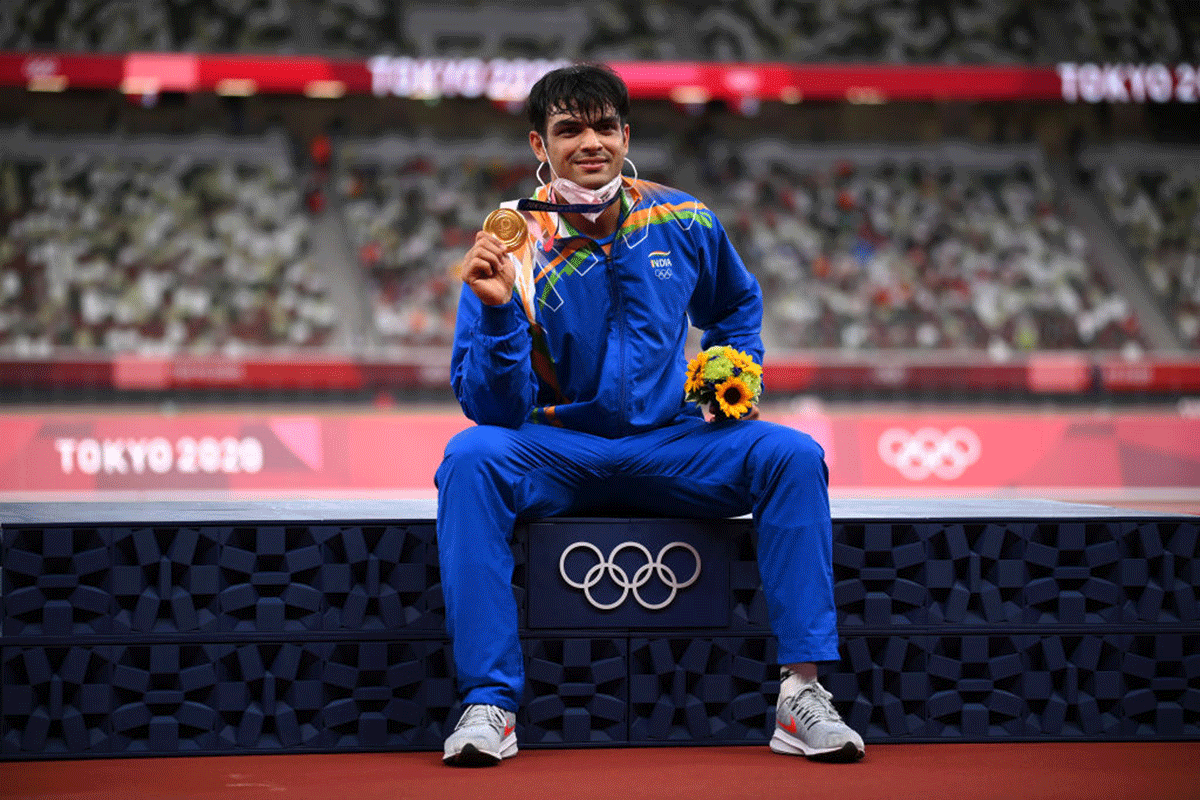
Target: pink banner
235	452
399	451
989	450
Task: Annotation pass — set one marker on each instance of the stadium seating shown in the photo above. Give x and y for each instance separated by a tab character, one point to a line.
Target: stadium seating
892	31
1157	209
409	218
910	254
858	251
155	255
894	249
136	25
860	248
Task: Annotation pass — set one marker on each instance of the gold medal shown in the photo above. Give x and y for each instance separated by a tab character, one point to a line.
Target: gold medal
508	226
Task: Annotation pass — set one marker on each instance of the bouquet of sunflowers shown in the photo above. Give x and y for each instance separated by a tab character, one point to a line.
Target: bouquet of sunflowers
725	380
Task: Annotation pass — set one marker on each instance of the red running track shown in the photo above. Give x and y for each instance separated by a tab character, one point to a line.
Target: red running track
993	771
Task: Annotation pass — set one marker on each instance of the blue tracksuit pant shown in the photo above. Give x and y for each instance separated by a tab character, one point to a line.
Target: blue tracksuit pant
491	476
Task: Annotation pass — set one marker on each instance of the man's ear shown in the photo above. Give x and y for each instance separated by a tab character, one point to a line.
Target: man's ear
539	146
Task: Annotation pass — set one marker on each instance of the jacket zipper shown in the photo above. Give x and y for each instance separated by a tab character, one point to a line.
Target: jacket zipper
618	299
626	412
619	302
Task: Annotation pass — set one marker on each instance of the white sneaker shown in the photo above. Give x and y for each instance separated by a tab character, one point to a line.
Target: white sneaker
807	724
484	735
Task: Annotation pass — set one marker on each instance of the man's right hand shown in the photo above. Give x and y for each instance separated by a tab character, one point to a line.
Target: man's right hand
489	271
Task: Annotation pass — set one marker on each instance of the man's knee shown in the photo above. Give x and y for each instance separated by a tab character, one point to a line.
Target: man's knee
792	450
474	449
478	442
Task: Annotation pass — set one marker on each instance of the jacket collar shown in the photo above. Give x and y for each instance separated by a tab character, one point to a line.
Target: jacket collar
631	196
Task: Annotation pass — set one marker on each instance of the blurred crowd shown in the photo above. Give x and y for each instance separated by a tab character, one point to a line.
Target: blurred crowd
410	225
915	256
155	258
1158	214
114	26
852	258
162	255
173	256
898	31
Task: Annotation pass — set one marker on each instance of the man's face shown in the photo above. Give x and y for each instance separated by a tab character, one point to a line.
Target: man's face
587	150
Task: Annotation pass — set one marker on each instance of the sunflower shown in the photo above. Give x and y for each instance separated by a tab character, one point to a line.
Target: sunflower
742	361
753	380
736	356
695	374
734	398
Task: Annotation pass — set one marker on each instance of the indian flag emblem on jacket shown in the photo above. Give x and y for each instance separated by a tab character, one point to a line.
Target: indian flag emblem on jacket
660	262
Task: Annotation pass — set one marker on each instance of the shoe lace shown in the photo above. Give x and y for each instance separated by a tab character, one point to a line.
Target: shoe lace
482	714
812	704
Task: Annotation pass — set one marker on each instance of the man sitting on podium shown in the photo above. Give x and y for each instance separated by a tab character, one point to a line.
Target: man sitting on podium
569	354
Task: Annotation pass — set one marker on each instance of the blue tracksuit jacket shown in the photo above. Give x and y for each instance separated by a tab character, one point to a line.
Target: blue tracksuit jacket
606	354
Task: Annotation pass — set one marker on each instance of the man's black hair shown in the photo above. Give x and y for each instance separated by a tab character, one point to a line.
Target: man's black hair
585	89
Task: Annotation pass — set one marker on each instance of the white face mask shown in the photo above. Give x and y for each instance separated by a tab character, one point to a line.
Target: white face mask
570	192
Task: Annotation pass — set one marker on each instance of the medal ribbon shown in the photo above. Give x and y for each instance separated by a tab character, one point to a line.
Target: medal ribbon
531	204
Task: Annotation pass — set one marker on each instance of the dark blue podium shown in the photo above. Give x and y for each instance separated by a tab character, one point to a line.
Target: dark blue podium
314	626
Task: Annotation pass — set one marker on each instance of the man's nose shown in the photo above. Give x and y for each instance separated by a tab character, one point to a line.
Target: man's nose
591	140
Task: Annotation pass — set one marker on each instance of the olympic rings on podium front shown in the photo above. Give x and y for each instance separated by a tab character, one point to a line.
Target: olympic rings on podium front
608	565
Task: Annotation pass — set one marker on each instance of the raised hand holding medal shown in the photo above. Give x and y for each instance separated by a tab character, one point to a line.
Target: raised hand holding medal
487	267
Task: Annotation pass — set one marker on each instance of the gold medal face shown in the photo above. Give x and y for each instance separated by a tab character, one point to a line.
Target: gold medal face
508	226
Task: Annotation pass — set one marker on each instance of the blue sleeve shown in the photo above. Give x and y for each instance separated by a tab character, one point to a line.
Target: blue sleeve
490	368
727	304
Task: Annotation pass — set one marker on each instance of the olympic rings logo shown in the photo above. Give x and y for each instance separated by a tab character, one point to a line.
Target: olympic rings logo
928	451
643	574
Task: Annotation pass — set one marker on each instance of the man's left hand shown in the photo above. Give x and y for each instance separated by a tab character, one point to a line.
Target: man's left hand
710	413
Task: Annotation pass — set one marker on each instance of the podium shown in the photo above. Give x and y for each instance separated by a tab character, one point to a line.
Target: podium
169	628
